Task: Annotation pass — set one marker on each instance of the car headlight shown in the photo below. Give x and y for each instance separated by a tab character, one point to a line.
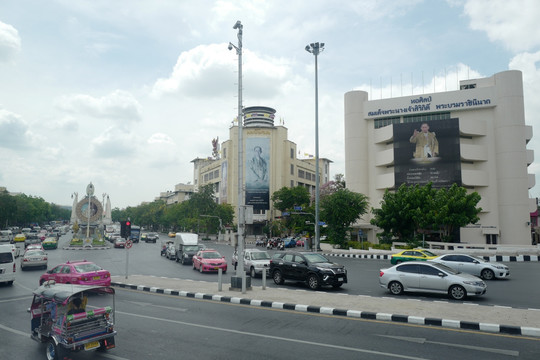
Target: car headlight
500	267
475	283
325	270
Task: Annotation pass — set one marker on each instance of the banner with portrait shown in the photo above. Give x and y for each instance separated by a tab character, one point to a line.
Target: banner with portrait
257	172
427	152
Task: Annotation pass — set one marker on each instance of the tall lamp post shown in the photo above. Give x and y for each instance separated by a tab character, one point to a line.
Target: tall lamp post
240	273
316	49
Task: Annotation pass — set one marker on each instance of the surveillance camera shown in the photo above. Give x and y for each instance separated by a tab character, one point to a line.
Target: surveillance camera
230	46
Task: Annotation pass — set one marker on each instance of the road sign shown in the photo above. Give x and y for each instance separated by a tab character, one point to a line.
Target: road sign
129	244
285	213
299	208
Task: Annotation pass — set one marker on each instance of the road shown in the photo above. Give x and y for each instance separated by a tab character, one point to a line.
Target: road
157	326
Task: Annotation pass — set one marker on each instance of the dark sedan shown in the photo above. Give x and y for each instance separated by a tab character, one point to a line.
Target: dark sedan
312	268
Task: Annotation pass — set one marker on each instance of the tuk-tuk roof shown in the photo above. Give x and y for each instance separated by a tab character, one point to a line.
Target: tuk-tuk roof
62	292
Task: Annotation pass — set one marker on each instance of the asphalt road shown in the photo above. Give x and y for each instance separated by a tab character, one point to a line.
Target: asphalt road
157	326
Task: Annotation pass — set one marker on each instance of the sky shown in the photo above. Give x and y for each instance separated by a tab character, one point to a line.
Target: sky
126	93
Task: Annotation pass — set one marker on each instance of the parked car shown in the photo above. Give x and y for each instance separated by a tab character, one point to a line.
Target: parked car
312	268
209	260
78	272
34	258
474	265
255	261
50	243
119	242
412	255
152	237
429	277
8	266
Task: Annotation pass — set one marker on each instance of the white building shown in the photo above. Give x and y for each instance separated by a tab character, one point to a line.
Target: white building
482	140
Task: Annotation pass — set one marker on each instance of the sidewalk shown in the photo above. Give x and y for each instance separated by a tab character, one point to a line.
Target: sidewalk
469	316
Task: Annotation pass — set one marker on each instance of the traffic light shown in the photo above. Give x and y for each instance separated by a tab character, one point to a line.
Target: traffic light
125	229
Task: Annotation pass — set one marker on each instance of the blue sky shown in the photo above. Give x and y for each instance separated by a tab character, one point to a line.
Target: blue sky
126	93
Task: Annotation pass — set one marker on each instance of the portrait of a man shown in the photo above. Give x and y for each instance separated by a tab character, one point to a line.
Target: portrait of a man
426	142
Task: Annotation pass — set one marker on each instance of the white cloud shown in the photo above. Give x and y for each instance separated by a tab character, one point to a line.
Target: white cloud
10	42
120	106
514	23
13	131
160	138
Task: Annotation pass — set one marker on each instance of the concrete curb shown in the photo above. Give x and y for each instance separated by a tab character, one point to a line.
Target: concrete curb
417	320
493	258
86	248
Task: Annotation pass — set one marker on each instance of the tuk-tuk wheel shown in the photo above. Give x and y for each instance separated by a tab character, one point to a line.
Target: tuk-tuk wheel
54	352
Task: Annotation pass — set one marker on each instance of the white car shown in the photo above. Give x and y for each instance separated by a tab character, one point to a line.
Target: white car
34	258
255	261
474	265
428	277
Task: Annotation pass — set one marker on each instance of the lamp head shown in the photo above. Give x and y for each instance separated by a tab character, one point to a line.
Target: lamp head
308	49
238	25
230	46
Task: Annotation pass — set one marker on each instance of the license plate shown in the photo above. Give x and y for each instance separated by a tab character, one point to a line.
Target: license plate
216	267
97	277
340	279
91	345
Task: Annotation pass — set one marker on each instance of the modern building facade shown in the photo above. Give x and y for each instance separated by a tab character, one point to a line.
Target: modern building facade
270	163
182	192
475	137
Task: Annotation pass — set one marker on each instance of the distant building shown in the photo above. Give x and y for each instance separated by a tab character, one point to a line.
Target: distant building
182	192
271	162
476	138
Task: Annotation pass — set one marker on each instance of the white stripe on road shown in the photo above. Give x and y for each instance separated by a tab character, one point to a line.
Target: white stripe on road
274	337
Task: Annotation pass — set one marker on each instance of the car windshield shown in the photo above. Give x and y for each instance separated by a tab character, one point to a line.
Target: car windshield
211	255
260	255
316	258
87	267
191	248
445	268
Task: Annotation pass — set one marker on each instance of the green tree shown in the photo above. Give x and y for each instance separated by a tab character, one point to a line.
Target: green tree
340	210
286	198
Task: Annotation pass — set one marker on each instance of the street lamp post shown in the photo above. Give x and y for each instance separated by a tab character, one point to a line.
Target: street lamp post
316	49
240	273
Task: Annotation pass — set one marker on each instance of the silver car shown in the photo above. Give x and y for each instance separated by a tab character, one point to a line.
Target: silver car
255	261
34	258
428	277
474	265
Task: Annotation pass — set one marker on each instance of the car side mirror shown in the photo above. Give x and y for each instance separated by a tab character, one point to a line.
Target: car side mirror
441	274
476	262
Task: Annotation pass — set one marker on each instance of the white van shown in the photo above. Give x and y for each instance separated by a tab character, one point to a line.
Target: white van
6	236
8	267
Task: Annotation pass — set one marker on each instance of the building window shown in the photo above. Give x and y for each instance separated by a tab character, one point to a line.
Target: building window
292	153
292	183
205	177
467	86
292	169
224	153
216	174
379	123
301	174
426	117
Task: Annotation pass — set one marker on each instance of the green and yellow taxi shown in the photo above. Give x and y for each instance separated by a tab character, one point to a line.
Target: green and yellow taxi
412	255
50	243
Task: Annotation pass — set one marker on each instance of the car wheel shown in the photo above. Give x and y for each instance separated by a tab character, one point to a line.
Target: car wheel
41	282
278	278
53	351
252	272
395	288
313	282
457	292
487	274
398	262
10	282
